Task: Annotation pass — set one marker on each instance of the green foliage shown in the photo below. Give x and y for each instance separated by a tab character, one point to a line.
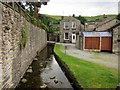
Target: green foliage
56	17
43	26
89	74
48	23
33	21
73	15
82	19
24	37
32	7
118	16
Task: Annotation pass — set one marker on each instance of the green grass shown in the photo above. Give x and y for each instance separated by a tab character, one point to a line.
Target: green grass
56	17
88	74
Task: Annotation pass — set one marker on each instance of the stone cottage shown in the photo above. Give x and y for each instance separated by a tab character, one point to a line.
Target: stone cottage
69	28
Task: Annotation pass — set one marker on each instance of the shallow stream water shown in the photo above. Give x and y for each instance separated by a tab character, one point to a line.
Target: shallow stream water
44	72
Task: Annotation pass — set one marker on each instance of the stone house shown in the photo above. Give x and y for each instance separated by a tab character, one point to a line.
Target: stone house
69	28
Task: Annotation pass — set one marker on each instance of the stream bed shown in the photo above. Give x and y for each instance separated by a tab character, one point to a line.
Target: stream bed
44	72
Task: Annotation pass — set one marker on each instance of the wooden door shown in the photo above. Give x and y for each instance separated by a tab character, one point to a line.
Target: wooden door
92	43
106	43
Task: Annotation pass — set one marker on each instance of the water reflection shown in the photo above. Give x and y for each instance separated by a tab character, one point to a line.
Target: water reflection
53	76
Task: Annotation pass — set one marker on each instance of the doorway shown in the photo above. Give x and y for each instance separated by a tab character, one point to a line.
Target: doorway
73	38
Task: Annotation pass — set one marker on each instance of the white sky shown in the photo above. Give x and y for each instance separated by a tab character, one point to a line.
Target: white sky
80	7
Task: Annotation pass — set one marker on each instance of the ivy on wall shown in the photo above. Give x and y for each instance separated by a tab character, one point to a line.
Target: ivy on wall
24	37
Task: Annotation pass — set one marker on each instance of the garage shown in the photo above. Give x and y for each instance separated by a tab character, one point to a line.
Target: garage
100	41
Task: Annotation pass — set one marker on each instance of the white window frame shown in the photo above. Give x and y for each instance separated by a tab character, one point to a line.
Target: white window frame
66	23
73	24
65	36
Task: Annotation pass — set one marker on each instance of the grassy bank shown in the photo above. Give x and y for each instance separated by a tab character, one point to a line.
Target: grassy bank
88	74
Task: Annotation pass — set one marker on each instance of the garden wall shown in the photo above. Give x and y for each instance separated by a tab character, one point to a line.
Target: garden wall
20	41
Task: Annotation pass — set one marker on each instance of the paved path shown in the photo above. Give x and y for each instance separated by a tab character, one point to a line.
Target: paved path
107	59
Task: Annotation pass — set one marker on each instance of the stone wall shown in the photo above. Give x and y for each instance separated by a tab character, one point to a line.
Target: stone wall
19	43
79	42
0	47
116	34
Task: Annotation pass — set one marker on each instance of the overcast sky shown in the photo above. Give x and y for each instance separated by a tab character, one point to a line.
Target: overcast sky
80	7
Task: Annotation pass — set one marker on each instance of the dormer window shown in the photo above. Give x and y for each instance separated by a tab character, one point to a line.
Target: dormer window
66	25
73	25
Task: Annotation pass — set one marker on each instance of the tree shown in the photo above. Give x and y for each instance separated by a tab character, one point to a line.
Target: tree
73	15
118	16
34	7
30	8
82	19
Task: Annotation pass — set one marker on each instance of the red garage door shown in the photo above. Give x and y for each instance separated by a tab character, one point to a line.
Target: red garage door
92	43
106	43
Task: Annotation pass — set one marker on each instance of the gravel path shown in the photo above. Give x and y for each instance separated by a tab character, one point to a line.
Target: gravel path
107	59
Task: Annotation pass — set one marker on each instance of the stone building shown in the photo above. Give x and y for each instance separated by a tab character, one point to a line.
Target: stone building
115	38
89	26
111	25
69	28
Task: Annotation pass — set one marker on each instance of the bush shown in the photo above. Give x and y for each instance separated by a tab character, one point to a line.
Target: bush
118	16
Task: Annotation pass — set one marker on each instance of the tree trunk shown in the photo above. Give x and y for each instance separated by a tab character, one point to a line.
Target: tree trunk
35	11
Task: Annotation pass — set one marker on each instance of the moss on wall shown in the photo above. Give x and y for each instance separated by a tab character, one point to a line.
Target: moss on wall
24	37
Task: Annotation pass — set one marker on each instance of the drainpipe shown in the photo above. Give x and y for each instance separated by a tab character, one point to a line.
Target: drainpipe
100	43
112	41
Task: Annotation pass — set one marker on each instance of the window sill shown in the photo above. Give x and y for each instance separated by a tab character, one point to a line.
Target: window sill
66	28
66	39
73	28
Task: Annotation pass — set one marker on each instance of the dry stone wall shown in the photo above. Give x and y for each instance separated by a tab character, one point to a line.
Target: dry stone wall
19	43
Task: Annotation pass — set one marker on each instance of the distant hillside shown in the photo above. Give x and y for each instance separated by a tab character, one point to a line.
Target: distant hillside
56	17
88	18
99	17
49	23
